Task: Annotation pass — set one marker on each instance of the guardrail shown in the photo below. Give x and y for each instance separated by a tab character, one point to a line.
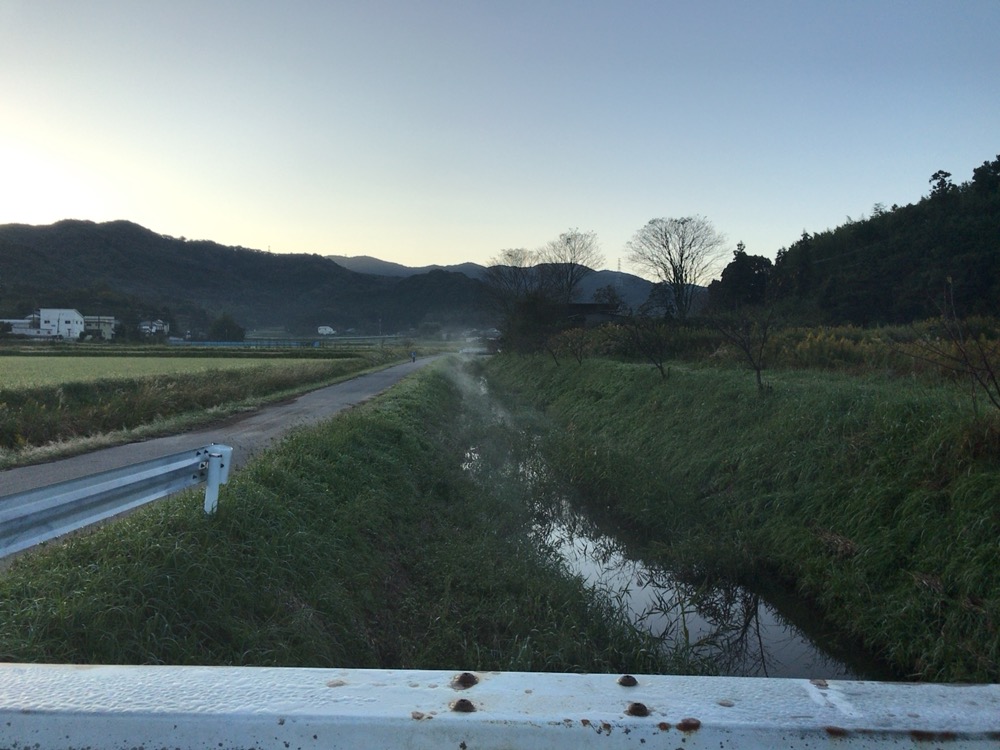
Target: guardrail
35	516
51	707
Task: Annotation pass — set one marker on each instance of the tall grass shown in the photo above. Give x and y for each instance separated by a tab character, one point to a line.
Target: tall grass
359	543
876	497
924	349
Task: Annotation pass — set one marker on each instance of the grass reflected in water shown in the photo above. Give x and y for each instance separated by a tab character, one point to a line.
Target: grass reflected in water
717	627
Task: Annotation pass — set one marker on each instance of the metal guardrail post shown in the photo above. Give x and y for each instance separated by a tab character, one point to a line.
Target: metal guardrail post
35	516
220	458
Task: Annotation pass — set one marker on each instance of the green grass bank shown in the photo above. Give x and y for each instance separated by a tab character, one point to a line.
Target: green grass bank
878	499
359	543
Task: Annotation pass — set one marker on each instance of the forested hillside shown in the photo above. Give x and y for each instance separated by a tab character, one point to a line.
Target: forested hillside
894	266
120	268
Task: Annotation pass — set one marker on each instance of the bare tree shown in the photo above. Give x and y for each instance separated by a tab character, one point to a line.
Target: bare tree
568	260
959	350
530	289
679	252
576	342
519	290
749	330
510	277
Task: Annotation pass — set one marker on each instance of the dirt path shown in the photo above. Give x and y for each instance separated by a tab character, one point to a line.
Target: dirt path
247	435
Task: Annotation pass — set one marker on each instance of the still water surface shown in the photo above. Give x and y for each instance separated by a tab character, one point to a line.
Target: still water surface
738	631
728	627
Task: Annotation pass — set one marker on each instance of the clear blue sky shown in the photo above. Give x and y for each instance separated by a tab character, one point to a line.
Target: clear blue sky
445	131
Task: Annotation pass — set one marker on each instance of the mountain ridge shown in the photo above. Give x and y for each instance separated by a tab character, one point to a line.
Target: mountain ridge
123	269
196	280
378	267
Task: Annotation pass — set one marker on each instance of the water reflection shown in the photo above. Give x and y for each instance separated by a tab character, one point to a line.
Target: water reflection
725	624
736	630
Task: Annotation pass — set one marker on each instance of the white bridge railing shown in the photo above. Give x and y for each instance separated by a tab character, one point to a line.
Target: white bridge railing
35	516
50	707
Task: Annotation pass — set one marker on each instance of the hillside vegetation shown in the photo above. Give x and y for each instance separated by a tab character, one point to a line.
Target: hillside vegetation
120	268
877	498
894	266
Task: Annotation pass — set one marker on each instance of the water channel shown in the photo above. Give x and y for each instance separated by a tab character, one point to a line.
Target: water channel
738	631
734	630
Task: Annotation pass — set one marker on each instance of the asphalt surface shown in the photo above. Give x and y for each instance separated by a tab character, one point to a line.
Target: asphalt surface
247	434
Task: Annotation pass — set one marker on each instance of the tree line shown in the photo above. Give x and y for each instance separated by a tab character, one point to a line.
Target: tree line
895	265
938	258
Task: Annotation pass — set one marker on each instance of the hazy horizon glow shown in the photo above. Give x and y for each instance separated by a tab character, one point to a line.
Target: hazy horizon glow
441	132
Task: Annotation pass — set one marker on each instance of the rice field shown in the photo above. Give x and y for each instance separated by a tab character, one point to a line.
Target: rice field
48	400
40	371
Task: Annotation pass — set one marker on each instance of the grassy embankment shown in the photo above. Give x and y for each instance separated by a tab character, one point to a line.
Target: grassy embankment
73	404
359	543
878	498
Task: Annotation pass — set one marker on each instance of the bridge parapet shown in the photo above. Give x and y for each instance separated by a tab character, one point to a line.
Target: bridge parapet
64	706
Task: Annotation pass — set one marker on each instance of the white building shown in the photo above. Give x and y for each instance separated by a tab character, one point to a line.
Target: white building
152	327
49	322
100	326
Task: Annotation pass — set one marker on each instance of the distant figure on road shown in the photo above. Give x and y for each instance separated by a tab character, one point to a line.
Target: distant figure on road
413	356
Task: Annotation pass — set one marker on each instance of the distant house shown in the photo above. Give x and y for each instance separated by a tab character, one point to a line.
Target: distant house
50	323
591	314
100	326
152	327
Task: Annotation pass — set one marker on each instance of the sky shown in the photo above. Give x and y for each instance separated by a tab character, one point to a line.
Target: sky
444	131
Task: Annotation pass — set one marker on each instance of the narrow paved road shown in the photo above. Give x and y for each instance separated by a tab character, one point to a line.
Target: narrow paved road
247	435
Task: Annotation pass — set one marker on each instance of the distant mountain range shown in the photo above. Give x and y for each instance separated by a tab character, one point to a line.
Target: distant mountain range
123	269
376	267
633	289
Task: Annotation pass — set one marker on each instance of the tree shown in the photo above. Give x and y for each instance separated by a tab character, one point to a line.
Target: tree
528	315
958	349
530	289
567	260
748	330
794	273
986	178
941	184
743	282
535	320
510	277
573	341
680	252
608	295
224	328
648	337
